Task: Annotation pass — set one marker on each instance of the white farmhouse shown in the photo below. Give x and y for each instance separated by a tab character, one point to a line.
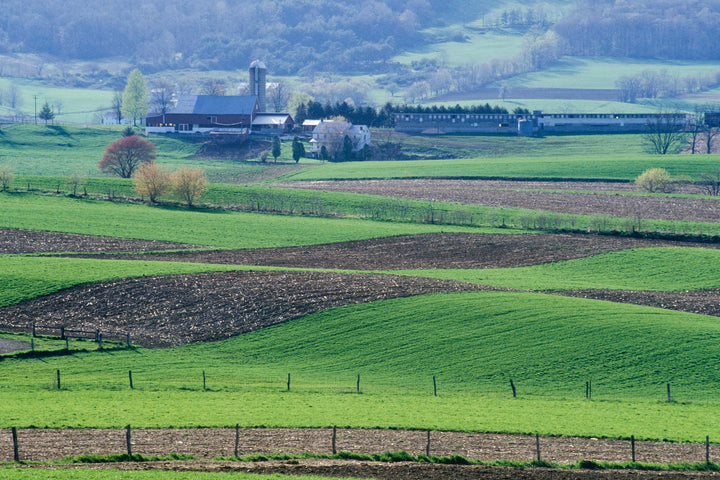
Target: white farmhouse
331	135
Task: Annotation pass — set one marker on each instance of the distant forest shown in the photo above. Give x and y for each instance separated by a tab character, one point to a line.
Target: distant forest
316	35
307	36
667	29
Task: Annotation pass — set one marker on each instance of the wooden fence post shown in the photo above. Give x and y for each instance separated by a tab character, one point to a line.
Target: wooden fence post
537	446
512	385
62	333
237	439
16	450
127	339
669	398
130	377
204	381
33	329
99	339
434	386
707	448
67	343
334	439
58	379
288	383
128	441
358	384
427	446
632	447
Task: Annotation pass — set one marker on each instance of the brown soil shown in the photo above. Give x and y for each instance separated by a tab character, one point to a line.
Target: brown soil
206	443
165	311
432	250
13	241
705	302
394	471
514	194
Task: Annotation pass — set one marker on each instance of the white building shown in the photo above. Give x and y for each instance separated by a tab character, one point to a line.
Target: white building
331	135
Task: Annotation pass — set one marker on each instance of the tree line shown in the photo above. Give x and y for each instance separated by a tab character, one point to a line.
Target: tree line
293	36
384	117
670	29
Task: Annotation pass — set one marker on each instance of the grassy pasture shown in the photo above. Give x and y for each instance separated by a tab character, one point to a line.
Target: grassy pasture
601	72
614	167
476	341
198	227
79	105
66	149
656	269
477	48
227	229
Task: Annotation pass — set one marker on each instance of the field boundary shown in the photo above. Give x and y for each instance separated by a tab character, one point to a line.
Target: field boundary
33	444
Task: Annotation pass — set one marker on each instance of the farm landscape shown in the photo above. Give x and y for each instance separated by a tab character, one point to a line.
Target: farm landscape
452	306
403	316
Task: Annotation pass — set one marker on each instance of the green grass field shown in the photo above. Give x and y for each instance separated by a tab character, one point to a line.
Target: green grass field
78	105
601	72
614	167
216	228
62	150
656	269
478	341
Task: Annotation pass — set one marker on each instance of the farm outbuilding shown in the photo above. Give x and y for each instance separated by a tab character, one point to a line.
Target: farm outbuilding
206	114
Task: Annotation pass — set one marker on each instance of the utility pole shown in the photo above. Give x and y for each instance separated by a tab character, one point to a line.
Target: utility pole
35	97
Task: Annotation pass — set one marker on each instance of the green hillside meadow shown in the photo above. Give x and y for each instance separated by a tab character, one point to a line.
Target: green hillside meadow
216	228
473	343
659	269
620	167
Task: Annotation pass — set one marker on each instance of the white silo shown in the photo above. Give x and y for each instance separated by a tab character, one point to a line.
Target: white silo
258	73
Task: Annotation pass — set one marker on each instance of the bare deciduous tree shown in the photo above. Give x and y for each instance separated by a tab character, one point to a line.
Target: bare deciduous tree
213	87
278	96
665	134
710	182
161	96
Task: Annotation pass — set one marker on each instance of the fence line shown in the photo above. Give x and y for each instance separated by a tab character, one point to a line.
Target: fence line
63	333
49	444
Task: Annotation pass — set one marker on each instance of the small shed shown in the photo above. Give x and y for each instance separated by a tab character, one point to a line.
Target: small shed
272	123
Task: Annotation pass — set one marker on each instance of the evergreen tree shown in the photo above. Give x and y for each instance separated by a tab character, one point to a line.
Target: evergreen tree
347	149
276	147
135	97
46	113
298	149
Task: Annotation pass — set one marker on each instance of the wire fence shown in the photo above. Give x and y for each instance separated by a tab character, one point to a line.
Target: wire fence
49	444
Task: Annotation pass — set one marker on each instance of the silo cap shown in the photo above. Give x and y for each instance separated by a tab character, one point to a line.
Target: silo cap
257	64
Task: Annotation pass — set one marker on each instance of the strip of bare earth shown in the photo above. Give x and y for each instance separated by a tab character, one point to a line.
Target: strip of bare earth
517	194
43	445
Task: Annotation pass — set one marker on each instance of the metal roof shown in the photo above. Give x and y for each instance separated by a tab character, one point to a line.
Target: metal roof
216	104
271	118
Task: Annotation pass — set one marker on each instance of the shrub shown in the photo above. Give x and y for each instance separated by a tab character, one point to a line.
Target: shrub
152	181
189	184
655	180
6	178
